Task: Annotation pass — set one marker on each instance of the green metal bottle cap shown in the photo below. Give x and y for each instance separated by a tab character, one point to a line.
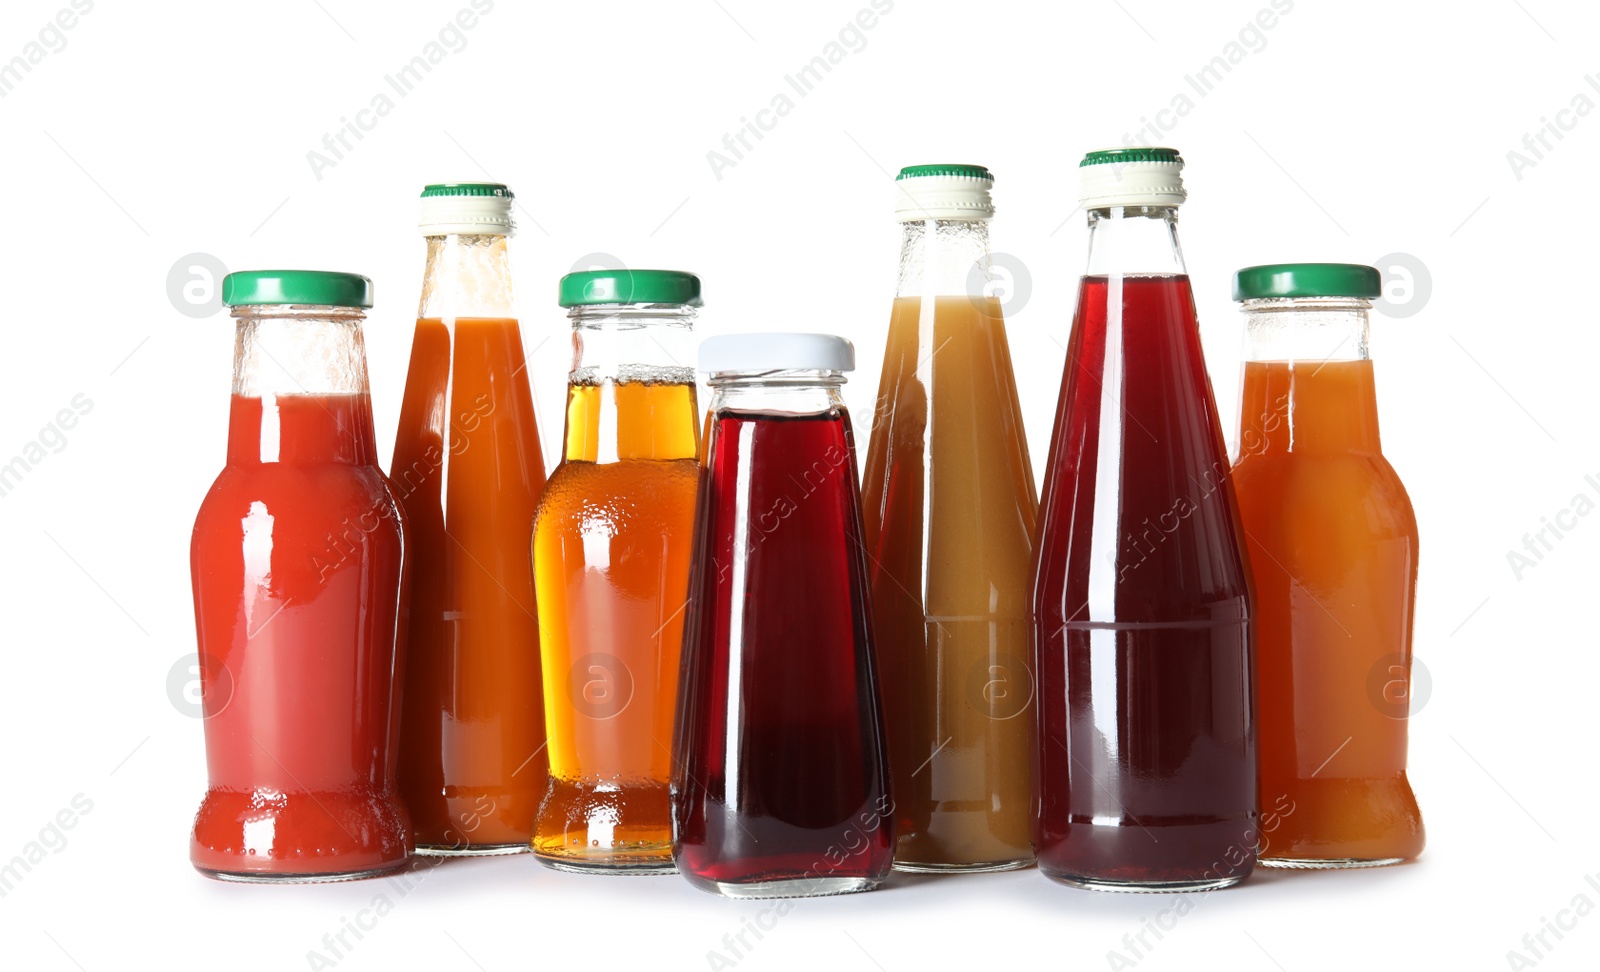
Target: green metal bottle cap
629	287
1307	280
950	169
296	287
1130	154
466	189
943	191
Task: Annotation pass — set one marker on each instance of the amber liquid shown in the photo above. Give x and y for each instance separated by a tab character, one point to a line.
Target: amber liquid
469	471
611	548
1333	548
949	512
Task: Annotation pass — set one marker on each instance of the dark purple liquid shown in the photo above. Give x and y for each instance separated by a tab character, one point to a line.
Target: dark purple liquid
780	772
1145	754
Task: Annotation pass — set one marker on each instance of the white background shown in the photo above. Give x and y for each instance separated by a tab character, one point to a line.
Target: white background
1348	131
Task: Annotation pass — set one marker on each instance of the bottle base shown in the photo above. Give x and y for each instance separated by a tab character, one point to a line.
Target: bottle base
1327	863
815	887
1145	887
981	867
267	877
471	850
269	836
615	867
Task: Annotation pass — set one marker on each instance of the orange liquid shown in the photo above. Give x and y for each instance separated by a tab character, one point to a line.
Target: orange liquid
611	550
469	471
949	509
1333	550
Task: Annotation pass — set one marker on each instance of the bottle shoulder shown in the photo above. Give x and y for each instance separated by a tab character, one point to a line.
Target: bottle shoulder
1360	492
303	491
608	495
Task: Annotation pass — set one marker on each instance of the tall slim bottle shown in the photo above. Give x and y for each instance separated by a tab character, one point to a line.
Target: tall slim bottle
949	508
1145	747
1333	545
611	546
468	467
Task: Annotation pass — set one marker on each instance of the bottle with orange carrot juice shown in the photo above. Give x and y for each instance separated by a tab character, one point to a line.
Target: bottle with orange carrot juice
1333	550
469	470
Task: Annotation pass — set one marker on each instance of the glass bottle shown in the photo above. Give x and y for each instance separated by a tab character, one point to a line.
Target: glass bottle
1145	750
611	547
780	787
1333	545
298	560
950	508
469	470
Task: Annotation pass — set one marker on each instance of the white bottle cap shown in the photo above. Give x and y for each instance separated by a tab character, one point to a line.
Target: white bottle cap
468	208
943	192
1131	177
777	352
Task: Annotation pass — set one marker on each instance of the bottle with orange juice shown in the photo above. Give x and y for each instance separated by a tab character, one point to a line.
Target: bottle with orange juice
1333	550
469	470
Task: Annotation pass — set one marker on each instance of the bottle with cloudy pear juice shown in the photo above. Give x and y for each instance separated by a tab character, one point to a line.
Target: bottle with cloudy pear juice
950	503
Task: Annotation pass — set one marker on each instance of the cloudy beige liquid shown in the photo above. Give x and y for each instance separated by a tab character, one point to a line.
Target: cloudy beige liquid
949	509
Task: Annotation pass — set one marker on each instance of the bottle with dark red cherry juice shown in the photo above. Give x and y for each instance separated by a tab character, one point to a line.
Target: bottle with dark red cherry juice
1145	751
780	787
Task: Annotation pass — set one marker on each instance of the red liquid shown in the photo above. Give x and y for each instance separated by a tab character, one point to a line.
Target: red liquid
297	564
1146	762
803	794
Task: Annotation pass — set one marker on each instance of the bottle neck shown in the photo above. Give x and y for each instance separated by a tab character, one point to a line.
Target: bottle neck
795	392
1306	329
299	350
943	257
300	389
1126	240
1308	382
631	391
466	276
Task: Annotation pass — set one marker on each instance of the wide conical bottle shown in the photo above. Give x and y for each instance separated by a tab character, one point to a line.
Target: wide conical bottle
779	785
1145	746
949	508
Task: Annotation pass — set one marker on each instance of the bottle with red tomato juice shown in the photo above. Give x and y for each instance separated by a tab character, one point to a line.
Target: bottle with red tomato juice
298	568
780	786
1145	750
